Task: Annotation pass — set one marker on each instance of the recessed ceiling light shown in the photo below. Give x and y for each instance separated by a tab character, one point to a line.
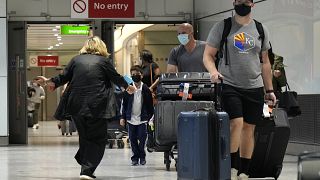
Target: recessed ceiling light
60	42
57	45
56	34
59	37
57	26
54	30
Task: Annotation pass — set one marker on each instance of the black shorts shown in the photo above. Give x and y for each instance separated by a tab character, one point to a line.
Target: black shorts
246	103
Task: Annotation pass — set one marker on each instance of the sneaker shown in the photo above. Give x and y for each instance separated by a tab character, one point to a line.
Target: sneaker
143	161
243	176
234	174
85	177
134	163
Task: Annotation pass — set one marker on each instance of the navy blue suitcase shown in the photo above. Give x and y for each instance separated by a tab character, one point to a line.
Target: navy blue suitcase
204	145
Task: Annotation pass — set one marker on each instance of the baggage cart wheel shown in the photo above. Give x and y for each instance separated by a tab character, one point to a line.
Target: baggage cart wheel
110	144
168	165
120	144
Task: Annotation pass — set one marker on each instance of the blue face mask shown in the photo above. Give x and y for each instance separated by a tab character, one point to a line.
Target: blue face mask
183	39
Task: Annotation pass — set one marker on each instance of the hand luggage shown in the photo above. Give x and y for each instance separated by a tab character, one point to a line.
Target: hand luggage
271	140
172	85
309	166
166	121
203	145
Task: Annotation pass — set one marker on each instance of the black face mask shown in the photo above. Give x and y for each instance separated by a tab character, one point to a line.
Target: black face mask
242	9
136	78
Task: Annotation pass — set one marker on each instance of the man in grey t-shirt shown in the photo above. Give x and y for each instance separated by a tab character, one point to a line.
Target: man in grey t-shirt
244	77
188	56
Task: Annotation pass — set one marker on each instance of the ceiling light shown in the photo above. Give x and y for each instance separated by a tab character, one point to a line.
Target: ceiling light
60	42
59	37
58	27
56	34
54	30
57	45
51	47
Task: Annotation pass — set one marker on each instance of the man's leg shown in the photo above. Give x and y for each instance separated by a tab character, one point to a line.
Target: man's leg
246	147
235	137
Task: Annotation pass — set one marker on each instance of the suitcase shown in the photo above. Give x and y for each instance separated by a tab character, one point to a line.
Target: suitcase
204	145
171	86
271	140
309	166
166	113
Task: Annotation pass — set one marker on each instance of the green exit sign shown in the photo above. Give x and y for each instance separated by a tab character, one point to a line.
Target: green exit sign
74	30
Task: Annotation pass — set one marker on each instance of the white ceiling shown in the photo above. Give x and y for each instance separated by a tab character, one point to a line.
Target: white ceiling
41	36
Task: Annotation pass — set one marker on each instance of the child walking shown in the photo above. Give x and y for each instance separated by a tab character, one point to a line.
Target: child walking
137	109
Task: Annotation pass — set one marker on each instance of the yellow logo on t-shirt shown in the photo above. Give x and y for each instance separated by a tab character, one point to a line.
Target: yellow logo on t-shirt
243	41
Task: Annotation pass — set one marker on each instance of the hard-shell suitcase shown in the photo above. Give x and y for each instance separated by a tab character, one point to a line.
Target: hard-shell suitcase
172	85
166	120
203	145
309	166
271	140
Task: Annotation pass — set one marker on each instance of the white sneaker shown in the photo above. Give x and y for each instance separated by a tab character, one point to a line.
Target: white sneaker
243	176
234	174
85	177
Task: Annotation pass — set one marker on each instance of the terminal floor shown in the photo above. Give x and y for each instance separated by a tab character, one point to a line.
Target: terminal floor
49	156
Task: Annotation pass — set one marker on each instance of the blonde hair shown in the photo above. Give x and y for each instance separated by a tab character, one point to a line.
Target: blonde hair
94	45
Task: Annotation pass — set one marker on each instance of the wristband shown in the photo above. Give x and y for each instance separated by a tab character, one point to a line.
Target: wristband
269	91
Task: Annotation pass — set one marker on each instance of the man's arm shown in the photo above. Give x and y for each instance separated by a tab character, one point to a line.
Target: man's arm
172	68
266	71
267	77
209	62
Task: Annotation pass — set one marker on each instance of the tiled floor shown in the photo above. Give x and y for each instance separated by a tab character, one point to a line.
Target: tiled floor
50	156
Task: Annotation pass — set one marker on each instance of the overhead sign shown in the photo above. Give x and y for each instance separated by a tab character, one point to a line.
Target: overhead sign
48	60
33	61
74	30
102	9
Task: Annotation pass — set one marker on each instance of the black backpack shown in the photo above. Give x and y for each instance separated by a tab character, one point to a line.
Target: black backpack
226	31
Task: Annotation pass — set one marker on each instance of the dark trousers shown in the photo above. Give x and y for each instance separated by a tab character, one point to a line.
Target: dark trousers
92	142
138	136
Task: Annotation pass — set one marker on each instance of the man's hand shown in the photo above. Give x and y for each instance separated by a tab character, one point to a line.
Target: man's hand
276	73
215	77
122	122
271	97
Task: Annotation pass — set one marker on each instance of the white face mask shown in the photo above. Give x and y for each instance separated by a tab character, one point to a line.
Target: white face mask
183	38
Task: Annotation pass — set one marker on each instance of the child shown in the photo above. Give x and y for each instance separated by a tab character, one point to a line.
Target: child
137	109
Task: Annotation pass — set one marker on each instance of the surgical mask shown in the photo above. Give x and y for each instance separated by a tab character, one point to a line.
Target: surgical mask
242	9
183	39
136	78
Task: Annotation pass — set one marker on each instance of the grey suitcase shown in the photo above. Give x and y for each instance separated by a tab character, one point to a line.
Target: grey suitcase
166	121
204	145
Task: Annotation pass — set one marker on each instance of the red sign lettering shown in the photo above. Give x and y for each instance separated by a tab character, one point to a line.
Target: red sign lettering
111	9
48	60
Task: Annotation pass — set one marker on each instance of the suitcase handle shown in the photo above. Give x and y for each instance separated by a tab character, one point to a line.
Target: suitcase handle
217	95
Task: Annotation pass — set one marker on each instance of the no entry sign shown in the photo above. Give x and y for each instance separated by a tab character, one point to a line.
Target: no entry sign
102	9
48	60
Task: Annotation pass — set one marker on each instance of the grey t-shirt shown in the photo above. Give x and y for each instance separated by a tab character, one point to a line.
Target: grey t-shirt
244	47
188	62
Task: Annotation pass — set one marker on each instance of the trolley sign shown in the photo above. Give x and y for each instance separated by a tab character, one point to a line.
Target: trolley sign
107	9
